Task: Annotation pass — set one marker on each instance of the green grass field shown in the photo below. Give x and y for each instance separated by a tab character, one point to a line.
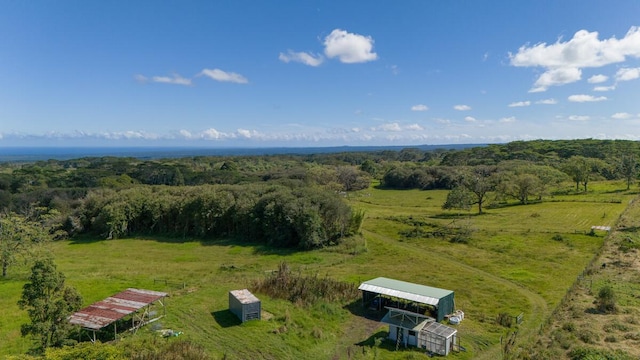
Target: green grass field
517	259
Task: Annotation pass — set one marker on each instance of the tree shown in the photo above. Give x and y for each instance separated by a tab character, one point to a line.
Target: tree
459	198
17	237
519	186
628	168
352	179
581	169
369	167
49	302
475	184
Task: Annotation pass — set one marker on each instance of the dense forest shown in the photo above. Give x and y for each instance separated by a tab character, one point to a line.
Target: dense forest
292	200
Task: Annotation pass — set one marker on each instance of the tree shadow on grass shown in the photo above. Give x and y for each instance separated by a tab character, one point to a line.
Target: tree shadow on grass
259	248
357	309
225	318
371	340
456	215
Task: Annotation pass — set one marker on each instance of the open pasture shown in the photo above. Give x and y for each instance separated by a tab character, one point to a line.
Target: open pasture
516	259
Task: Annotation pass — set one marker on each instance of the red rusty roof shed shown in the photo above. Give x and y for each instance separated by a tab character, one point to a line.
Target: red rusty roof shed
103	313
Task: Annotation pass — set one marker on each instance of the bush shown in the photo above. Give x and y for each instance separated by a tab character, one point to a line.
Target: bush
606	301
583	353
588	337
305	290
85	351
504	319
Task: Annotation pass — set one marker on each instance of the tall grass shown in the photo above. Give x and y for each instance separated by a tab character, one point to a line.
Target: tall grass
305	290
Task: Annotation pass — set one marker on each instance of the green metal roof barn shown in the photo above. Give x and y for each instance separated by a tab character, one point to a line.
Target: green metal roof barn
441	299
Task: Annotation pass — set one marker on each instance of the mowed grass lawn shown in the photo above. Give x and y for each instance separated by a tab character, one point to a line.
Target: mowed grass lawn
519	259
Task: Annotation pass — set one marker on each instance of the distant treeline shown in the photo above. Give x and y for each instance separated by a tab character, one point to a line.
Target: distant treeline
287	200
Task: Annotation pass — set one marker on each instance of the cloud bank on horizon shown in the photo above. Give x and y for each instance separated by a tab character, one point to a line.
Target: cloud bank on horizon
311	83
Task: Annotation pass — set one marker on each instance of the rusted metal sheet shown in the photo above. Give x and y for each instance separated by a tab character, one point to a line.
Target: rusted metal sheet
102	313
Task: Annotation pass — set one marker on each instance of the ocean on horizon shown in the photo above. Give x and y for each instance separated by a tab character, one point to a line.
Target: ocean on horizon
29	154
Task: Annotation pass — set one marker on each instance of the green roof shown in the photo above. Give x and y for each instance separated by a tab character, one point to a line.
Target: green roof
405	290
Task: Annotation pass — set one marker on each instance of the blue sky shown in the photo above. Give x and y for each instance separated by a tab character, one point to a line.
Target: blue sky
317	73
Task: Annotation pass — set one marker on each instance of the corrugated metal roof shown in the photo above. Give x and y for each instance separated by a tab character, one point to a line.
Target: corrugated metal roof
102	313
244	296
405	290
406	319
439	329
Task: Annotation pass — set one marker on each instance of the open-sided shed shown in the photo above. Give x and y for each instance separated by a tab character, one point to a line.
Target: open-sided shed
244	305
441	299
136	302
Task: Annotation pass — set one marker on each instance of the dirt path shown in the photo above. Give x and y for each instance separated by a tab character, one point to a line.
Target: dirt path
539	307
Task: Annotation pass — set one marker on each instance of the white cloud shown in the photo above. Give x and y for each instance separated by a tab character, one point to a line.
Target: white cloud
245	133
394	69
388	127
470	119
223	76
578	118
597	79
604	88
462	107
547	102
626	74
396	128
348	47
140	78
211	133
520	104
563	60
586	98
555	77
175	79
301	57
507	119
185	134
419	107
621	116
583	50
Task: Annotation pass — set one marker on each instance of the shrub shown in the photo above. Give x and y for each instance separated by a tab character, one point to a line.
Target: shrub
583	353
615	326
504	319
305	290
588	336
85	351
610	339
606	301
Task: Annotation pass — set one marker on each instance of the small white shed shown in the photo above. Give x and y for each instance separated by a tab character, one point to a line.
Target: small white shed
244	305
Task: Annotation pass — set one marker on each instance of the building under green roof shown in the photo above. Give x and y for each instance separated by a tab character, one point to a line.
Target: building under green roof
441	299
